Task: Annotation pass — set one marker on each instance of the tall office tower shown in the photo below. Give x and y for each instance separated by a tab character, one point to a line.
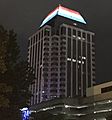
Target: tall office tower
62	53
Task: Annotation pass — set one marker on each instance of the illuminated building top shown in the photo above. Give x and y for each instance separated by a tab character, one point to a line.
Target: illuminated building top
64	12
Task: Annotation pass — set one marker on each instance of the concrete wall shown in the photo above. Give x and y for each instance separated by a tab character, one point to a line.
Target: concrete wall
96	90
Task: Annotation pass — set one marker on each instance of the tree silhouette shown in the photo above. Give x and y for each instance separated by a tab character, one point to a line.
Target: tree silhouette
15	77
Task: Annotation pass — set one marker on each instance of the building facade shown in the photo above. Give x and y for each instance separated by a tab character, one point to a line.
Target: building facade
98	107
62	53
99	89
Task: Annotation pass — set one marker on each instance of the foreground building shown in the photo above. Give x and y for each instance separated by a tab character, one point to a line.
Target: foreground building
96	106
62	53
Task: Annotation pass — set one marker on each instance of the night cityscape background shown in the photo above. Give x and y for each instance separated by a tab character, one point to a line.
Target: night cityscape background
50	67
26	16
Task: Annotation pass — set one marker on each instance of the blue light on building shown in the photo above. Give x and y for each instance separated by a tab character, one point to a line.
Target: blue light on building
25	113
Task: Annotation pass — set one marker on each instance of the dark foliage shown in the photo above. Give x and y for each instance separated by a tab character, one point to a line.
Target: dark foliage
15	77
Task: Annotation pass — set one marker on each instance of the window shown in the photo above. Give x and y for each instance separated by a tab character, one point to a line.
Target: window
62	58
74	32
62	90
54	53
62	96
79	34
54	39
74	78
63	30
92	38
45	58
62	85
74	48
53	85
79	50
46	32
63	38
84	35
69	32
54	63
68	78
69	48
62	63
62	48
55	43
45	80
62	68
54	69
45	64
62	53
63	43
62	79
45	69
41	34
46	49
45	85
45	74
54	91
47	44
54	59
88	37
106	89
62	74
36	37
46	39
84	48
46	54
54	48
54	80
54	74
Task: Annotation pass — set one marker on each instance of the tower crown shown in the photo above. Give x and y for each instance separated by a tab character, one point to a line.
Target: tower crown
64	12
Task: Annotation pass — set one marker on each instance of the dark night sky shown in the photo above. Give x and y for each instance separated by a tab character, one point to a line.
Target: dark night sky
25	16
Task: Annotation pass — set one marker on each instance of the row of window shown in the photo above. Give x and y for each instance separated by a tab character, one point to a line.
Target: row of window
53	69
55	80
54	48
56	53
46	32
35	38
53	96
54	43
55	91
54	74
106	89
70	32
53	58
54	63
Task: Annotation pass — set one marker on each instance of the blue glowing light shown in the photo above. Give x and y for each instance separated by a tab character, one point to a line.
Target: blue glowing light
25	113
64	12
